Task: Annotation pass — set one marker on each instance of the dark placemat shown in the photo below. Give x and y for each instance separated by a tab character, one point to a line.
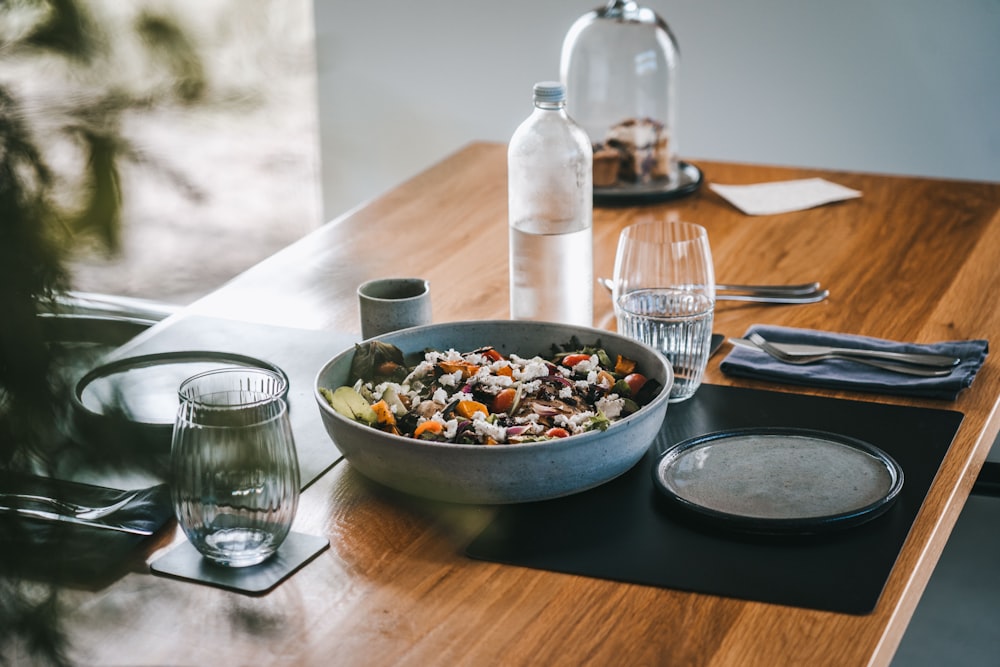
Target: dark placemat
298	352
185	562
622	531
75	553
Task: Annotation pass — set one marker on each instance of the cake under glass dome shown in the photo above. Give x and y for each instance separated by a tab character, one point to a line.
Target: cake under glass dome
620	67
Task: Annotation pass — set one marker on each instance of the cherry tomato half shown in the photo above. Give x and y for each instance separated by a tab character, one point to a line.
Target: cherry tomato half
635	382
491	354
571	360
504	400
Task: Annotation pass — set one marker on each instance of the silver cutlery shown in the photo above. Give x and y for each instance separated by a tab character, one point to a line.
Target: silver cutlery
787	294
64	518
819	352
757	341
764	297
69	508
787	290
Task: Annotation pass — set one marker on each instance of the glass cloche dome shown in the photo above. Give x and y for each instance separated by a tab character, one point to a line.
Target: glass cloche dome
620	67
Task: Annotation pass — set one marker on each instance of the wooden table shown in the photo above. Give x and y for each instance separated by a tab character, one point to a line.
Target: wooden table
913	259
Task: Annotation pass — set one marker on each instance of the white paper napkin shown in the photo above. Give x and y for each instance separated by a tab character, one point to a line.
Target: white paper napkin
783	196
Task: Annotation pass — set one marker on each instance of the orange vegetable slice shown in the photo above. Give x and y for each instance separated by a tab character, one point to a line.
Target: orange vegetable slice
469	408
430	427
383	413
468	369
624	366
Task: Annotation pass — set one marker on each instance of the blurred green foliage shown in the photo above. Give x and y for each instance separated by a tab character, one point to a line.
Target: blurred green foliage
45	215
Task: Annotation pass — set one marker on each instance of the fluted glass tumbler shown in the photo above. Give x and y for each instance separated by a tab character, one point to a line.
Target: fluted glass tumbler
234	469
664	296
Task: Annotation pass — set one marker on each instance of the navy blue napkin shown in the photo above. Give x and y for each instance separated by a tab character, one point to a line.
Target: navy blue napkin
841	374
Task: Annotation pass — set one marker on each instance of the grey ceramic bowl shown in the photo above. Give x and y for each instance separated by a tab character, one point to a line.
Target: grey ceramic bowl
505	473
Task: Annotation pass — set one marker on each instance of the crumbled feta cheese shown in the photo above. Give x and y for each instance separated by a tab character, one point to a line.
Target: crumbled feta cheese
587	365
486	429
450	379
530	368
379	389
566	392
529	388
478	358
440	395
573	423
423	369
534	429
487	380
610	405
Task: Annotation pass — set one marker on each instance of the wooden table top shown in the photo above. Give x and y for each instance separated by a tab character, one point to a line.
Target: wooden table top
913	259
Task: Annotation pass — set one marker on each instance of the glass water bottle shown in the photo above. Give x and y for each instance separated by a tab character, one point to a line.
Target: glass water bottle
550	208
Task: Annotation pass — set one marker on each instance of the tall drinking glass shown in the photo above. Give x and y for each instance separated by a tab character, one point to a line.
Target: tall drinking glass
664	295
234	469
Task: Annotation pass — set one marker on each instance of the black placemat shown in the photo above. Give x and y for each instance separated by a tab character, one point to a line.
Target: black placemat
185	562
622	531
298	352
74	553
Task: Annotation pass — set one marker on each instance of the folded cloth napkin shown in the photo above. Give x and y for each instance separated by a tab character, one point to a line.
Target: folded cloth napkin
841	374
68	551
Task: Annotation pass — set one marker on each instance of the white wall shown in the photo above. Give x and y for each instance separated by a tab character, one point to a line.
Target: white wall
893	86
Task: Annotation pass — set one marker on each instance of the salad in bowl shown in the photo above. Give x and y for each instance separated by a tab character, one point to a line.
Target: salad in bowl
496	411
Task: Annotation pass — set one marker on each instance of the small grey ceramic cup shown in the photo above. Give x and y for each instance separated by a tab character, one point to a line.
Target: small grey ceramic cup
390	304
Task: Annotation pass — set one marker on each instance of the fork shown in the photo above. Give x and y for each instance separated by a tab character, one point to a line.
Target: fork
797	359
72	509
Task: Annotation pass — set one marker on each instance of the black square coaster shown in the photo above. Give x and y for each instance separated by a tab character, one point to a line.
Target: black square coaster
186	562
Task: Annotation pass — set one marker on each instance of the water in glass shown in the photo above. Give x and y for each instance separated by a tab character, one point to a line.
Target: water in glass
676	322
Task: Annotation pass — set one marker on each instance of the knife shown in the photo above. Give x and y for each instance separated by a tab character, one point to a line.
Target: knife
912	358
775	297
793	294
55	516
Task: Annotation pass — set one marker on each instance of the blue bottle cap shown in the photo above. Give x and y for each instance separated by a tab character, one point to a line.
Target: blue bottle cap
550	91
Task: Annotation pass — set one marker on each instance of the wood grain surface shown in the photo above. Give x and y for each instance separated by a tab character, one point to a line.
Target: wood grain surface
912	259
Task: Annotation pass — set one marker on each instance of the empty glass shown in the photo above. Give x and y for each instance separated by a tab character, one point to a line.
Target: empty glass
664	295
234	469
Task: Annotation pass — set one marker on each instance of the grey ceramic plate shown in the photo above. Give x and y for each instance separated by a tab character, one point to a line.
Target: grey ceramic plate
777	480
